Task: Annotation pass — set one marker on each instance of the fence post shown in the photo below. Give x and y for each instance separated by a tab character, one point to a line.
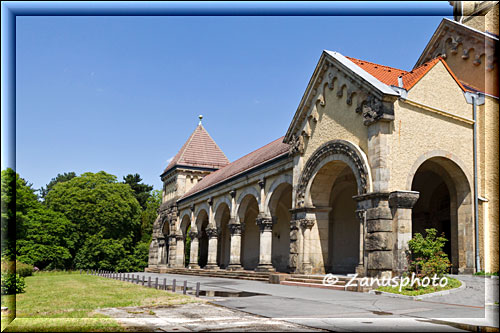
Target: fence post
164	283
156	283
197	289
184	290
149	281
173	286
143	280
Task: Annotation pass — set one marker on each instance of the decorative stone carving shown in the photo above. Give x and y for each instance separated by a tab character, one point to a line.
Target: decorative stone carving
264	223
403	199
194	234
296	145
327	149
372	109
212	232
262	182
452	35
360	214
232	193
235	228
307	223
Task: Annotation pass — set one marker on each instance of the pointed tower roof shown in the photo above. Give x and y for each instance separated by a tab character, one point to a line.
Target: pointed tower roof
200	151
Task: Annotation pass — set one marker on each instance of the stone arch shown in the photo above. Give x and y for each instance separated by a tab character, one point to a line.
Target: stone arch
222	216
442	154
222	200
446	204
199	208
248	210
251	190
282	179
334	150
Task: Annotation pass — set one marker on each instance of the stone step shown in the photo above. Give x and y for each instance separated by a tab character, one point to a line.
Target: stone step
244	275
321	286
320	277
315	281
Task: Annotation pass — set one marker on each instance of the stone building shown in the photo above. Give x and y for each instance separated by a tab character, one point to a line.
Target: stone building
373	154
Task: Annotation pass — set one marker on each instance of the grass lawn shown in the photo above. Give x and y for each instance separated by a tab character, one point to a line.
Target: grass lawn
409	291
65	302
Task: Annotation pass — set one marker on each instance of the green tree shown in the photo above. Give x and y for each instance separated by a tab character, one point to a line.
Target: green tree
142	192
18	197
149	215
98	206
58	179
48	239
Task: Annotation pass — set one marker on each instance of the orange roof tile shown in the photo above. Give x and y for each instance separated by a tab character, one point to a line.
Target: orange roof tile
200	150
255	158
389	75
385	74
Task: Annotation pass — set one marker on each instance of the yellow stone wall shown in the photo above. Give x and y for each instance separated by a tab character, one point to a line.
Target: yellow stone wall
417	131
337	120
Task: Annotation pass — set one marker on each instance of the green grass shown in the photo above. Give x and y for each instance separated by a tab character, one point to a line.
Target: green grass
486	273
408	291
65	302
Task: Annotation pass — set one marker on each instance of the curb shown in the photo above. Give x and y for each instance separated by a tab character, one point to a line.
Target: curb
420	297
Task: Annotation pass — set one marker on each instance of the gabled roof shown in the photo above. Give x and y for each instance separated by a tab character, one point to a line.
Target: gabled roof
264	154
201	151
389	75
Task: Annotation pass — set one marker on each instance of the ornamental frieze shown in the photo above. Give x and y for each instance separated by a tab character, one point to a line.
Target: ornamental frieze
328	149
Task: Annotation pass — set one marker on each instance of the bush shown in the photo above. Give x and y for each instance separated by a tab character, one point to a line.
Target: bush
12	284
426	255
23	269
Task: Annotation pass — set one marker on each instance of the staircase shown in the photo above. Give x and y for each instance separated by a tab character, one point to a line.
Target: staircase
220	273
316	281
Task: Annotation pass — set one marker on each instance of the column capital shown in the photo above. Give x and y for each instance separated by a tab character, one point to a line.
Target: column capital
234	228
212	232
403	199
307	223
193	234
179	236
264	223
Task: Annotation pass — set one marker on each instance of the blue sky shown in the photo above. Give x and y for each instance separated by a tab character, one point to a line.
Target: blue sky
122	94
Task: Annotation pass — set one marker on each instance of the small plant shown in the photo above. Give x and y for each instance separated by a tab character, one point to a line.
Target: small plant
12	284
486	273
426	257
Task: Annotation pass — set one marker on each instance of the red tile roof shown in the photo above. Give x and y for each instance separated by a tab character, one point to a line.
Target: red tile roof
255	158
389	75
385	74
200	150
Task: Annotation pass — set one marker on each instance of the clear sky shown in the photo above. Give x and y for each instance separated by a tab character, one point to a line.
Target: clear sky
122	94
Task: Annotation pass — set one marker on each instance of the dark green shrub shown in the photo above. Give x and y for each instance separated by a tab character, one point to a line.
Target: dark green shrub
426	255
24	269
12	284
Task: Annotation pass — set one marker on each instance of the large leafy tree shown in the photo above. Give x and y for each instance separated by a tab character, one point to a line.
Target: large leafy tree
18	197
48	239
142	191
58	179
106	216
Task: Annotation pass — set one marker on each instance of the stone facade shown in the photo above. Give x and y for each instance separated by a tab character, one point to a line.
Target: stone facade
364	165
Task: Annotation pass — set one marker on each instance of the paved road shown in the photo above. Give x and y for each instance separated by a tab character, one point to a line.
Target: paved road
342	310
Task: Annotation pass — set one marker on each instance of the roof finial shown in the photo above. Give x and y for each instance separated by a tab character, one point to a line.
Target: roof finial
201	117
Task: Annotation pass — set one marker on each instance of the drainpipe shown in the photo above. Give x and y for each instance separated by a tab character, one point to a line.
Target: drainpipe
476	200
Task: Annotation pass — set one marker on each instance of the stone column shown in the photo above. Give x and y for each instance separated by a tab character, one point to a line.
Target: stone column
401	204
172	250
295	246
213	235
234	259
193	256
306	225
379	238
361	268
161	251
179	260
266	244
